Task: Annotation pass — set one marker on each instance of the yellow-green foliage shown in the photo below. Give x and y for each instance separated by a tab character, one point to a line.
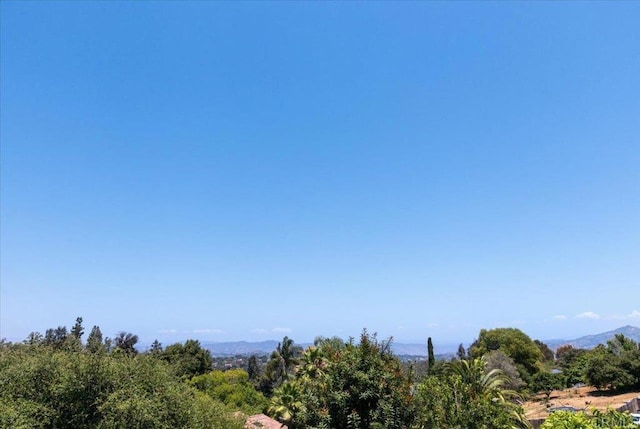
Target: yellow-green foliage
598	420
232	388
45	388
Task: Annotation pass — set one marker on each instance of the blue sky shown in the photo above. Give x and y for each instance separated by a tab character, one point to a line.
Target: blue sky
244	171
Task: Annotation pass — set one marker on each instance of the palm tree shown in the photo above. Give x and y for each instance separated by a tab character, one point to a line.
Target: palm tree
286	351
486	385
286	403
481	382
313	364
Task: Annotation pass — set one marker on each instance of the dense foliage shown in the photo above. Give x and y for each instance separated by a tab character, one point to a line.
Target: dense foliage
232	388
348	385
362	385
41	387
526	354
598	420
615	366
470	396
57	381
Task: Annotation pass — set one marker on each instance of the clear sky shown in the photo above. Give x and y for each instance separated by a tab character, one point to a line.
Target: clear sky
248	170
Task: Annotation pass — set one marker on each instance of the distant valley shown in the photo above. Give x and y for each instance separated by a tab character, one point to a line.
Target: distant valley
246	348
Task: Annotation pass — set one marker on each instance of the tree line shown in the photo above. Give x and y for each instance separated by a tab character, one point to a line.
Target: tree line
57	380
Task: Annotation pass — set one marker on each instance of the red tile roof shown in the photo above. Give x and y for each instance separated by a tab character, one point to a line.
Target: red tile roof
260	421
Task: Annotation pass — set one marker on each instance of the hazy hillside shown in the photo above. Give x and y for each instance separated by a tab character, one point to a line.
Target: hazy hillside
590	341
246	348
233	348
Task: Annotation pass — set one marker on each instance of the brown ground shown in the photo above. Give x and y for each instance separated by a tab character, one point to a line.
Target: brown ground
582	397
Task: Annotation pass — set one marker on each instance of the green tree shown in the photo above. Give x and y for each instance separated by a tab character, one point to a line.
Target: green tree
56	338
77	331
94	341
467	396
547	354
431	357
620	345
567	420
610	419
515	344
286	405
573	363
43	387
125	342
34	339
188	359
232	388
461	353
367	387
630	363
546	383
346	386
156	348
280	366
480	382
290	354
253	369
604	370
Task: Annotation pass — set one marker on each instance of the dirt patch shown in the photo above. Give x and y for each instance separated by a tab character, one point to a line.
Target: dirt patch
579	398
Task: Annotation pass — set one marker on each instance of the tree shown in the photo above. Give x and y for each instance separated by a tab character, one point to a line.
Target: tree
515	344
610	419
480	382
620	345
498	360
547	353
286	405
94	341
461	353
313	364
42	388
367	388
156	348
573	362
290	355
630	363
567	420
232	388
346	386
466	396
604	370
431	356
546	382
56	338
125	342
77	331
34	339
188	359
562	350
280	366
253	368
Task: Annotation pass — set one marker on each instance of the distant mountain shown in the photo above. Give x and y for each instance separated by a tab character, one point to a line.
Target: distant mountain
246	348
243	348
591	341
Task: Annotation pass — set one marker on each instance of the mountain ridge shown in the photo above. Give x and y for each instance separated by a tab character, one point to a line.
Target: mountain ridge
245	348
593	340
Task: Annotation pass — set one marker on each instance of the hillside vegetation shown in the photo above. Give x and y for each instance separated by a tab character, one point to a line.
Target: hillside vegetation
57	380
